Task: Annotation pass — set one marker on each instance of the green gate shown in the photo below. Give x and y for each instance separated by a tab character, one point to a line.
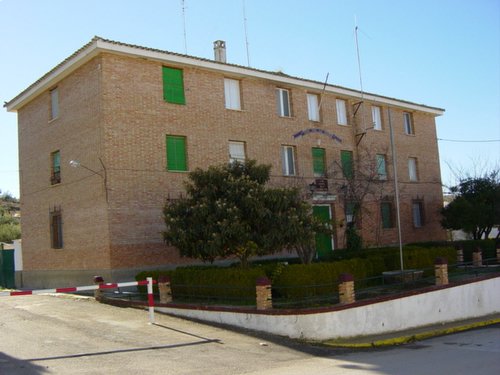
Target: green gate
7	269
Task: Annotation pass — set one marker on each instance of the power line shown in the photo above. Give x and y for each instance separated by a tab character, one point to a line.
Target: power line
469	141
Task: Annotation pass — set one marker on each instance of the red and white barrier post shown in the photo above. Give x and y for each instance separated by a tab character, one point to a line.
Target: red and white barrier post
151	301
100	285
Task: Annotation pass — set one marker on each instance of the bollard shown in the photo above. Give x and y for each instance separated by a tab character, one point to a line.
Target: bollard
151	301
477	257
264	299
460	254
346	289
441	271
98	280
165	289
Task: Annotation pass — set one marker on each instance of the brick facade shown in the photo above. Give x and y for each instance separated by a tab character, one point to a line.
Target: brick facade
114	120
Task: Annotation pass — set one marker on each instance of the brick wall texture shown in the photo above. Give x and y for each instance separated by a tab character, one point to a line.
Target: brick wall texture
111	110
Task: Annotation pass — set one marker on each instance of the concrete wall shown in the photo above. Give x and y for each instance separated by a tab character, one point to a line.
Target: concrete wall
440	306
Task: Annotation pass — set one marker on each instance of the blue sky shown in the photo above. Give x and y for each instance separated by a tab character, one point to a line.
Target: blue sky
443	53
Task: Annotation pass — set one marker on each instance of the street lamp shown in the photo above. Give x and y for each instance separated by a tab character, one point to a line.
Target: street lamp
76	164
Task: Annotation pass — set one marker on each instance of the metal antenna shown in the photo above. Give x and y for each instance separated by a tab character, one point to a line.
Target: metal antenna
246	32
361	103
323	92
357	54
184	26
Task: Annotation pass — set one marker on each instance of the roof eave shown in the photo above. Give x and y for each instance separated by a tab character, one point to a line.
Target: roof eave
98	45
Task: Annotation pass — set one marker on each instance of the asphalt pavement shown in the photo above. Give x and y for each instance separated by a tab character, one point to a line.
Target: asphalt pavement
47	334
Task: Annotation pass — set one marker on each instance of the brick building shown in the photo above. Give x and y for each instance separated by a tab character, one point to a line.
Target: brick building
133	120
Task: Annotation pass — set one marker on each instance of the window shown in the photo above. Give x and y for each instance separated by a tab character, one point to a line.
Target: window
408	123
313	107
318	156
386	213
283	102
173	86
176	153
288	160
236	152
56	237
54	104
417	208
381	167
349	212
232	93
412	169
55	168
346	162
376	118
341	112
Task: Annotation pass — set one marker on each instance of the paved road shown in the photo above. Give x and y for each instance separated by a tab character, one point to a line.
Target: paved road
66	335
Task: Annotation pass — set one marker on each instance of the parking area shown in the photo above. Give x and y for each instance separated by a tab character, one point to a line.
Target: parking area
48	334
67	335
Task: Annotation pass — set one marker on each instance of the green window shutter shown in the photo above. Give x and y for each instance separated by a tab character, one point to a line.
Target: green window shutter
385	211
318	155
173	86
176	153
56	161
381	170
346	161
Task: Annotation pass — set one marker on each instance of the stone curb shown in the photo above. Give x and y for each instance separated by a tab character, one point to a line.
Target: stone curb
409	338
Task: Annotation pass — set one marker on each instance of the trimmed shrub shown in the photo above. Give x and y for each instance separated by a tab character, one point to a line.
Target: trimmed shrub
209	284
293	282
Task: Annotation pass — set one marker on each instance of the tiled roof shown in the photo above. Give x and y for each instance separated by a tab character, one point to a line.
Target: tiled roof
278	76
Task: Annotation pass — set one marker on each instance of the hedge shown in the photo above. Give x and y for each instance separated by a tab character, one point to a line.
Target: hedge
295	281
221	285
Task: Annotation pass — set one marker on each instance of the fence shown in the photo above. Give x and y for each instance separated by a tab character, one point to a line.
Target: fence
264	295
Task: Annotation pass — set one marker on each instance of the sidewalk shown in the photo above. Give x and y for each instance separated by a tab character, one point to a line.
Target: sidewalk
414	334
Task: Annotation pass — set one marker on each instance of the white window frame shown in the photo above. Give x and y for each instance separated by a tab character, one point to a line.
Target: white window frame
341	111
283	102
413	169
417	211
54	103
232	94
408	123
237	151
377	117
313	107
288	161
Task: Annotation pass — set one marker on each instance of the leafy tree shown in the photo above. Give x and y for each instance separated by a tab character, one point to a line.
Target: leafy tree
229	211
10	228
476	207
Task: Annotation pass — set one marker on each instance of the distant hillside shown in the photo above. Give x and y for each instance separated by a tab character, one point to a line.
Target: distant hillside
10	203
10	216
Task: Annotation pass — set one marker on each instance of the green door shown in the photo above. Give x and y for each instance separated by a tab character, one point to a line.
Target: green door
7	271
324	243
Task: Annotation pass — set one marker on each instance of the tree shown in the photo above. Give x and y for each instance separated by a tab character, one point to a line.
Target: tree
476	207
10	228
229	212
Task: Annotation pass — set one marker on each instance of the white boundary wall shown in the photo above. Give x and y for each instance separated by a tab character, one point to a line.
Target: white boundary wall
440	306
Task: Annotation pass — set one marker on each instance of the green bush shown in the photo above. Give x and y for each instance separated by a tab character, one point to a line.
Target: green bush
209	284
487	246
226	284
230	285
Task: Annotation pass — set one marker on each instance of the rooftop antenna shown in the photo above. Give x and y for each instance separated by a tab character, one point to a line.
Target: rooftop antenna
357	54
323	91
184	26
246	32
360	103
